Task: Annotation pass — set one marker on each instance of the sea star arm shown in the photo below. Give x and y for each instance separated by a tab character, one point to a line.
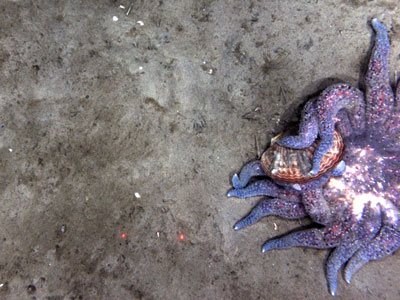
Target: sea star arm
311	238
385	244
313	198
379	94
308	130
316	206
275	207
321	118
356	238
341	234
264	188
250	170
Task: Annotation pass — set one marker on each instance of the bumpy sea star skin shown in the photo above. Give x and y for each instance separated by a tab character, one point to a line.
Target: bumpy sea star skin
358	203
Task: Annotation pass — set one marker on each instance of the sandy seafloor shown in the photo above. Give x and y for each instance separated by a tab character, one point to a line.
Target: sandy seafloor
125	125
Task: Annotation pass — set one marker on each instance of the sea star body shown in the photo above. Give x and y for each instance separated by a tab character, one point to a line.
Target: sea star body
358	202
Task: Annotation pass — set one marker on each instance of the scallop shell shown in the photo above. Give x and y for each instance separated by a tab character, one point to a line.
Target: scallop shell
289	165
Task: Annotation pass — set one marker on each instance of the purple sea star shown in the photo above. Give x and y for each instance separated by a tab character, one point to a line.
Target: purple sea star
358	202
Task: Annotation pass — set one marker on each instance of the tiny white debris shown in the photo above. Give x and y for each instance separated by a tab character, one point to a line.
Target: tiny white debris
204	62
210	71
275	226
137	195
158	234
1	285
140	68
122	7
140	23
115	18
129	10
10	150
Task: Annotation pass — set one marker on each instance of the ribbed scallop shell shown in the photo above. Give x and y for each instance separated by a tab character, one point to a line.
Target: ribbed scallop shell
293	165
